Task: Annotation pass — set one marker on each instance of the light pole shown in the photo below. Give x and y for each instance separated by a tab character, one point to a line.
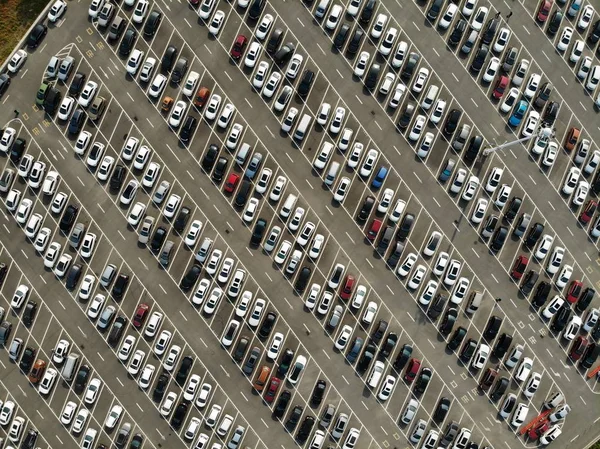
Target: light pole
545	132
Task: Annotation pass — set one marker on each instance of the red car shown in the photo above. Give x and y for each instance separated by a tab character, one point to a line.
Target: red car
272	390
238	46
574	291
578	348
348	287
411	370
374	229
519	267
588	212
194	2
544	10
537	431
140	315
231	183
500	87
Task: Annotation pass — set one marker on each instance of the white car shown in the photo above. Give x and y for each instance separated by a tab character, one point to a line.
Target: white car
263	180
36	176
379	26
271	85
134	62
17	61
501	40
492	69
162	342
502	196
417	128
24	211
203	395
544	246
140	11
93	389
385	48
417	277
586	17
333	17
407	265
460	291
565	39
7	140
361	64
191	82
253	54
479	18
48	381
353	7
509	100
428	292
480	357
593	79
397	96
68	413
126	348
479	210
438	111
193	232
158	85
178	113
225	116
294	66
343	336
448	16
275	346
342	189
370	312
468	8
263	28
550	154
564	276
580	193
532	85
250	210
260	74
572	328
493	179
33	226
41	239
399	54
571	180
369	162
16	429
337	120
88	94
524	369
113	416
216	23
555	260
168	403
57	10
584	67
212	107
385	200
452	272
105	168
145	379
147	69
172	205
136	362
577	51
470	188
532	385
234	136
420	80
136	214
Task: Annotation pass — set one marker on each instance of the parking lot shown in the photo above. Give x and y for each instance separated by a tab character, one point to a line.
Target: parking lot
198	317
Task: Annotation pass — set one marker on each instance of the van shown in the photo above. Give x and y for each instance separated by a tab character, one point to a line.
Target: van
474	301
554	400
322	8
261	380
116	28
331	173
302	127
430	96
165	255
288	206
70	367
376	373
242	154
108	275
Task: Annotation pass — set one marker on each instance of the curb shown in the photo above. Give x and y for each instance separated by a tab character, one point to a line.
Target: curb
39	19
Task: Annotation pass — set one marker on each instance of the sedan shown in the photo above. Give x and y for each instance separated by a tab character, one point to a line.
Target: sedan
177	114
17	61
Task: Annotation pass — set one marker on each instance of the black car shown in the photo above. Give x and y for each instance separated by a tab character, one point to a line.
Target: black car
120	286
182	219
184	370
451	122
256	9
534	234
442	409
409	67
190	278
136	441
306	83
27	359
372	76
285	362
305	429
341	36
590	355
366	358
561	318
77	84
448	321
529	282
492	327
68	218
437	306
274	40
293	419
395	255
282	404
355	348
423	380
405	227
594	35
449	434
240	349
128	42
541	294
188	128
554	22
502	345
76	122
457	33
179	415
403	357
585	299
179	70
37	34
117	330
81	379
498	239
258	232
367	11
220	169
468	350
152	23
251	361
366	208
168	58
73	276
30	439
489	31
302	279
4	83
3	272
551	112
209	159
267	325
117	178
479	59
284	54
158	238
388	345
17	150
456	339
243	193
160	388
406	115
473	149
356	41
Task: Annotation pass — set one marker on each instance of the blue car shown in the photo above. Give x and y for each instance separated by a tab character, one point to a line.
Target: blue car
518	113
254	165
379	178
